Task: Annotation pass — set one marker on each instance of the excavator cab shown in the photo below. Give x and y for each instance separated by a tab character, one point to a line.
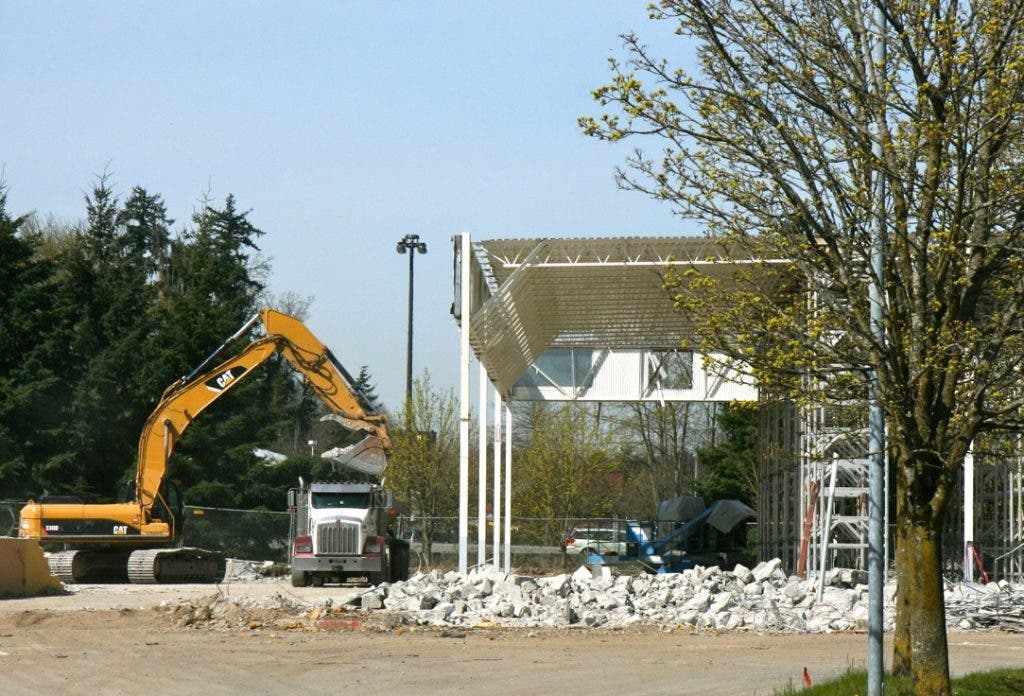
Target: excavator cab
168	506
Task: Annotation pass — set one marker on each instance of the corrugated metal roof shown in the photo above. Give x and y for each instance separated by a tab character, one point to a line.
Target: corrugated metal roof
536	294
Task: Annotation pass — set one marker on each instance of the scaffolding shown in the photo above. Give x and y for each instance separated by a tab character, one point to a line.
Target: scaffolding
999	518
779	495
812	502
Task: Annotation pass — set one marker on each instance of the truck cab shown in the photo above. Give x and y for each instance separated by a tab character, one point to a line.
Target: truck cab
340	530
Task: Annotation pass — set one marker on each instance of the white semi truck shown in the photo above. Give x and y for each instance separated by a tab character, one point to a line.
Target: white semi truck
340	531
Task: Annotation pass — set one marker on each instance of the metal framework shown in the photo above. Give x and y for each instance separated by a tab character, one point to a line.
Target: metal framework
779	516
999	518
528	296
519	298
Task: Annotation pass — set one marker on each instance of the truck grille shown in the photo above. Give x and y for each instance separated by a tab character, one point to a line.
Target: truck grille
337	538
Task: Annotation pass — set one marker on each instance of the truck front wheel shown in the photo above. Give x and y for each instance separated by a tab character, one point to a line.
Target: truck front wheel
300	578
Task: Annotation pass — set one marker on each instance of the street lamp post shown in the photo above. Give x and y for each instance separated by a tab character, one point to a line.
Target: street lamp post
410	243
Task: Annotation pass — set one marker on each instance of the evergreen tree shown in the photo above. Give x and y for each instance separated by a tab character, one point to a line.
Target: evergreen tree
98	319
104	298
213	288
366	391
26	380
730	465
147	234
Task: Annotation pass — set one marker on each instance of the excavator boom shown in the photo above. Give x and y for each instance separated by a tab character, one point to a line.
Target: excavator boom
285	335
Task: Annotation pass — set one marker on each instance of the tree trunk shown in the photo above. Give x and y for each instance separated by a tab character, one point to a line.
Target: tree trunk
902	658
427	545
927	620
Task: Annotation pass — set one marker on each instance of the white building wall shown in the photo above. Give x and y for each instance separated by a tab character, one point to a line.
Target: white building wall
625	375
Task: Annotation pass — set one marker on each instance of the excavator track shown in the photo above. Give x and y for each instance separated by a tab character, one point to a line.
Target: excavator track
62	565
89	566
160	566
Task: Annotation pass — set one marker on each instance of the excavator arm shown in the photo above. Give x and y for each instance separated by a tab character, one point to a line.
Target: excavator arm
186	399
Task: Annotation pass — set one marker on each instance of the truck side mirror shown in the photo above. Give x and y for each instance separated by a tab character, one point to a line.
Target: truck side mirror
389	499
291	497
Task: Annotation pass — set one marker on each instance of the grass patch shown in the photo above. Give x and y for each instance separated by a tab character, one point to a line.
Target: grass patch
1003	682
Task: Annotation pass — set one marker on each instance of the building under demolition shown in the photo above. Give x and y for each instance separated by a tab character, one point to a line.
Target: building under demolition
588	320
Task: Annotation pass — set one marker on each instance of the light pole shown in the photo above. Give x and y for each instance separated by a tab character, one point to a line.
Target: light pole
410	243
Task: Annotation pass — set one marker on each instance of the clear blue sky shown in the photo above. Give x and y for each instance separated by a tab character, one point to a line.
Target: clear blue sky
343	126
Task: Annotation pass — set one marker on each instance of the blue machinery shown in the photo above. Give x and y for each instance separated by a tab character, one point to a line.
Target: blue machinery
709	538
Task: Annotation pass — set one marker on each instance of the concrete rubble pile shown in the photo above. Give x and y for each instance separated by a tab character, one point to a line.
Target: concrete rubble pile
253	571
997	605
762	599
228	612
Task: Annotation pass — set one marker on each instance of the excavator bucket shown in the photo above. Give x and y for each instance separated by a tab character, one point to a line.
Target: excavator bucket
366	456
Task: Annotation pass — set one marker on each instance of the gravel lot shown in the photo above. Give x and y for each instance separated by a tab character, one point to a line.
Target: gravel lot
114	639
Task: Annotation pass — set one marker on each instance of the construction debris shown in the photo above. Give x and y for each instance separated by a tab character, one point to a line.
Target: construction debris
997	605
762	599
253	571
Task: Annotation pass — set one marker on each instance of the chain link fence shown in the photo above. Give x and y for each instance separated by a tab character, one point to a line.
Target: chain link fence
536	543
262	535
9	511
252	535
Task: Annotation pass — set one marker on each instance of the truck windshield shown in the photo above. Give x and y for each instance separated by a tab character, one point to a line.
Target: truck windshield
341	500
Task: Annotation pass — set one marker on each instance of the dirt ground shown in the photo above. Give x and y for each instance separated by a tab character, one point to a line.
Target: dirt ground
127	639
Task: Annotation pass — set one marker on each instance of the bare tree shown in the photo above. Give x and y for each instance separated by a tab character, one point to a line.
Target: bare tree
659	442
424	463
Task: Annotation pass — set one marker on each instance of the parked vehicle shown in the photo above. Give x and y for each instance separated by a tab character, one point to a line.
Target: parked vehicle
587	540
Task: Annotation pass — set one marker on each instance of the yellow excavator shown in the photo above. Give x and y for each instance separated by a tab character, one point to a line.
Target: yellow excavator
138	540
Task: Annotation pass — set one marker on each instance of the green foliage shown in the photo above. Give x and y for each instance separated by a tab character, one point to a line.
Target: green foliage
366	391
566	470
423	466
26	382
730	465
778	142
211	493
98	295
252	534
266	485
1006	682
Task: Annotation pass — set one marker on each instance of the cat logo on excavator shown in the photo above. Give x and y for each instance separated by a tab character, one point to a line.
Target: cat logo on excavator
222	381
